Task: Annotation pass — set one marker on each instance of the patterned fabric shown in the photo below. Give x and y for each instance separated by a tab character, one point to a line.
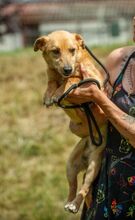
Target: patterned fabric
114	189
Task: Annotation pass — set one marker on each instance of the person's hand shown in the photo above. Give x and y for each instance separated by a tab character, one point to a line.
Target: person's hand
80	129
86	92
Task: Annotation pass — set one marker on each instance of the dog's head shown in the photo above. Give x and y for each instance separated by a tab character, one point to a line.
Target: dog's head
60	50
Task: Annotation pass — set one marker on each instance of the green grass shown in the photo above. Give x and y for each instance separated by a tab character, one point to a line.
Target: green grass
35	142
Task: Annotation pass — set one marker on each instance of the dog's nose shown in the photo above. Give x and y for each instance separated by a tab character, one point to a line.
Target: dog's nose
67	70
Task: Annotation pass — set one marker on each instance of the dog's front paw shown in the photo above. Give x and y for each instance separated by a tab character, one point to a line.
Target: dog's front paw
47	101
55	99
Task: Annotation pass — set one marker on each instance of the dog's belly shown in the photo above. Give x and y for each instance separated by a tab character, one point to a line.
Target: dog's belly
72	114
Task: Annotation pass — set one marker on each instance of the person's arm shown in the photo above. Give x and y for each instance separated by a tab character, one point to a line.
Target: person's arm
124	123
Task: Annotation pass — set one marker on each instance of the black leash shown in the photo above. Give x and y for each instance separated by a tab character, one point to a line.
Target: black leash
86	106
132	55
99	62
75	86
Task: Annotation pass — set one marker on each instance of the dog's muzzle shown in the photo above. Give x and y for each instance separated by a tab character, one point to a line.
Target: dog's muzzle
67	70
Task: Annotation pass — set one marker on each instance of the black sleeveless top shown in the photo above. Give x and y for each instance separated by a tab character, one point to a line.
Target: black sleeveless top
114	189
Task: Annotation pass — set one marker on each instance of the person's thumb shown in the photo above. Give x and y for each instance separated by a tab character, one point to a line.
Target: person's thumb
84	72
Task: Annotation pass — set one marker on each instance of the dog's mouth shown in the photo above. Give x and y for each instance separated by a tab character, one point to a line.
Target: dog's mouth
67	75
67	71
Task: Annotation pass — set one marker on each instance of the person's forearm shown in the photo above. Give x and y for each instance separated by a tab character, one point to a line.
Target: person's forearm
124	123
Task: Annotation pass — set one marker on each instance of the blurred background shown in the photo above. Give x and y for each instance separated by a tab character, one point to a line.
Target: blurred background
35	142
99	21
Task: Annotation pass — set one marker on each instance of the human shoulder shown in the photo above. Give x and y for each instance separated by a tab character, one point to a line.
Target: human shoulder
116	56
115	60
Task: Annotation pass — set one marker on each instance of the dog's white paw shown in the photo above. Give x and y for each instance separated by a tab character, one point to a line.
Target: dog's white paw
74	206
66	206
55	99
71	207
48	102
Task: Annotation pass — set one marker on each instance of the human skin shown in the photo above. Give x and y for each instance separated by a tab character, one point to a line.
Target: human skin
123	122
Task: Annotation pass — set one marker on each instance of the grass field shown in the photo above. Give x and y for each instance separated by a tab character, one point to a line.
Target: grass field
35	142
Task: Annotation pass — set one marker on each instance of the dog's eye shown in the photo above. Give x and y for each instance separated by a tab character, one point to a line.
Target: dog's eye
56	51
72	50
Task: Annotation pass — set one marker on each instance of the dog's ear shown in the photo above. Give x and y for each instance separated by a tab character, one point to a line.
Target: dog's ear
80	40
40	43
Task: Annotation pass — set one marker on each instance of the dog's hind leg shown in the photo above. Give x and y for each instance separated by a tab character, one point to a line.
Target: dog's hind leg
76	163
91	173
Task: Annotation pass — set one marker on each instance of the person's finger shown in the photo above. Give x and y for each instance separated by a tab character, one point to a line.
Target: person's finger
84	72
75	92
81	90
85	75
74	100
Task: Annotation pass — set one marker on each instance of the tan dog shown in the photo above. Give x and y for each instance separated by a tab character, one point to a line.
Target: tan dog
63	53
